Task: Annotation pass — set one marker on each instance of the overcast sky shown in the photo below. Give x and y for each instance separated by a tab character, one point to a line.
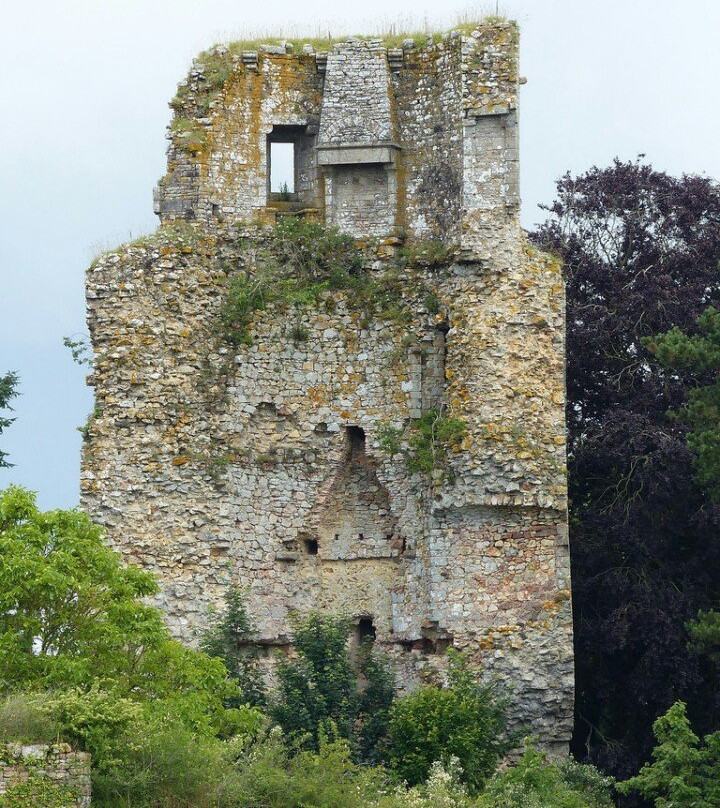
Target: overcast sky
84	86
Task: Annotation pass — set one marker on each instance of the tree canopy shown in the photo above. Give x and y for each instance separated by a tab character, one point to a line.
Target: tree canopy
641	252
72	615
8	391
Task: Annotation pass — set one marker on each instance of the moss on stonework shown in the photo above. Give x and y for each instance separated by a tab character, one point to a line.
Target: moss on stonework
299	263
188	134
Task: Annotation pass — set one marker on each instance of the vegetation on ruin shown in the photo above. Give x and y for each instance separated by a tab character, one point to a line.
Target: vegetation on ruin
297	264
426	442
212	68
38	792
428	253
188	133
153	748
463	722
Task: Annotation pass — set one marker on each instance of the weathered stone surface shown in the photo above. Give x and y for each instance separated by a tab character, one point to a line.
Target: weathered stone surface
261	466
57	762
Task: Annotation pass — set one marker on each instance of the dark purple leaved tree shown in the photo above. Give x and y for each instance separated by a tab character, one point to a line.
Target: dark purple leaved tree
641	252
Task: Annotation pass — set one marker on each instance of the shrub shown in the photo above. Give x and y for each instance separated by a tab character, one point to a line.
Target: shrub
430	438
165	766
442	789
465	720
536	781
296	263
426	442
685	772
229	639
318	691
149	753
268	775
319	686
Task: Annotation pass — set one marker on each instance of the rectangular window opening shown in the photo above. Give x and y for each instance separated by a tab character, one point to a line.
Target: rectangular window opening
282	167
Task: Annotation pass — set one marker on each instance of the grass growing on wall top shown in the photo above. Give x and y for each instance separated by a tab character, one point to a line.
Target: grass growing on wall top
217	62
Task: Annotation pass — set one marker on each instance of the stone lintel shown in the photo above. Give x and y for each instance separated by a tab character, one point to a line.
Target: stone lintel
354	153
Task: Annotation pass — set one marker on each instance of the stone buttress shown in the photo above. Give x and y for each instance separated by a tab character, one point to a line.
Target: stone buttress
263	465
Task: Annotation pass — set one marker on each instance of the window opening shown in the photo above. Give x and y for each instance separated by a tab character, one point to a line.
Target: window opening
282	167
365	631
356	438
311	546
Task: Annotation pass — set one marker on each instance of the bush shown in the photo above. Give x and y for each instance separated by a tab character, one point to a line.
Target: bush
318	691
23	721
465	721
295	264
538	782
443	789
148	753
165	766
229	639
269	776
319	686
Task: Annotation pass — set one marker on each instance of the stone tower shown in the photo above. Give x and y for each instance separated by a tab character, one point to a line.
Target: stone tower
266	465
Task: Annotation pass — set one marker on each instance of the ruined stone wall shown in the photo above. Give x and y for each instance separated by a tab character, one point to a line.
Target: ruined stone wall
217	155
448	111
56	762
213	465
266	465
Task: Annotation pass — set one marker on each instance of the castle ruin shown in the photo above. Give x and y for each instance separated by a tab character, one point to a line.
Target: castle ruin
266	464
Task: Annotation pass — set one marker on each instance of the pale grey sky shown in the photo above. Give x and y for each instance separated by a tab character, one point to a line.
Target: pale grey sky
84	92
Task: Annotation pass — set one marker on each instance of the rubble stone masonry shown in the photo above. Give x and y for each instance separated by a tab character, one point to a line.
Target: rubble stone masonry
263	465
55	762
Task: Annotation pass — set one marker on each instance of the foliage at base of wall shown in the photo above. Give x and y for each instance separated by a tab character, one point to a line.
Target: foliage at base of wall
464	721
39	792
229	638
98	672
319	690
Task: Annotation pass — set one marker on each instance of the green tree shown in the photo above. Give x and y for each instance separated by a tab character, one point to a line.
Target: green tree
705	634
319	690
465	720
319	686
8	391
72	615
698	355
229	639
685	772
